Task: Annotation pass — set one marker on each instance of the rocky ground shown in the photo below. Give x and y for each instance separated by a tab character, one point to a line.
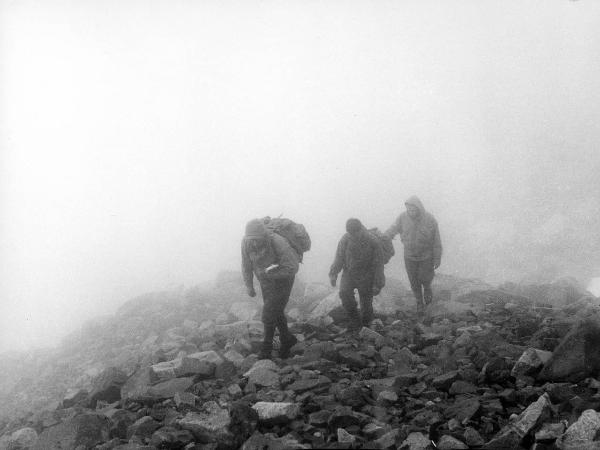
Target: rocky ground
506	367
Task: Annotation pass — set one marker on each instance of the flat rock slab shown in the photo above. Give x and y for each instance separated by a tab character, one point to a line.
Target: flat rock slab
276	412
300	386
210	425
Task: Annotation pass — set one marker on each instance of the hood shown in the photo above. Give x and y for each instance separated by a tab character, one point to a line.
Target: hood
414	200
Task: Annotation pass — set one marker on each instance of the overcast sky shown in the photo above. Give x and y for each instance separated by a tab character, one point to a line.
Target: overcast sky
138	137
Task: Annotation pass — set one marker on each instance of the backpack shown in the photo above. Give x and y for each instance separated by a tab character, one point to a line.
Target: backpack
386	244
293	232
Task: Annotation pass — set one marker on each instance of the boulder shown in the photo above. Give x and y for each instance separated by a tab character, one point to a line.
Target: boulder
582	432
85	430
107	386
533	416
530	362
577	356
209	425
263	373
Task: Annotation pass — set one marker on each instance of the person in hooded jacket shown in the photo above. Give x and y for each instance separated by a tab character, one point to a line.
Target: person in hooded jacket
270	258
360	256
420	236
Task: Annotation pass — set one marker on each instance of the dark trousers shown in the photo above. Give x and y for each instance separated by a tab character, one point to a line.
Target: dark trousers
364	285
276	294
420	276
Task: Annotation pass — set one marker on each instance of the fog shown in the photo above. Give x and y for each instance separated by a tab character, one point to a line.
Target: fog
138	137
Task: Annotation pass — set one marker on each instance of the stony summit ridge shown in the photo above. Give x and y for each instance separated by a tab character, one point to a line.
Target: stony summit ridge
508	367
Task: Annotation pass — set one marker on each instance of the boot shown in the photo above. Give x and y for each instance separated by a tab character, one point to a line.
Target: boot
287	342
267	346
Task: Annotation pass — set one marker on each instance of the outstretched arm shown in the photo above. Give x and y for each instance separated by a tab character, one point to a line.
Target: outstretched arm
394	229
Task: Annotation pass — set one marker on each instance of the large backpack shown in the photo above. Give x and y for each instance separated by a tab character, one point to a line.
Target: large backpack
386	244
293	232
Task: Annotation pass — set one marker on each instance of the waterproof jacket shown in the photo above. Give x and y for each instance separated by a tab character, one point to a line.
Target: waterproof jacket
275	250
420	236
361	257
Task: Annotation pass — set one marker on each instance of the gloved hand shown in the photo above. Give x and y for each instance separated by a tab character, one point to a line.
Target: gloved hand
251	291
333	280
376	290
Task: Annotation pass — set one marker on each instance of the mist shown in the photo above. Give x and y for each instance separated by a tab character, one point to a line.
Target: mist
138	138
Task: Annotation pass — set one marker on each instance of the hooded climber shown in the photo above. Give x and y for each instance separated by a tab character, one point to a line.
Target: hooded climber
420	235
360	256
270	258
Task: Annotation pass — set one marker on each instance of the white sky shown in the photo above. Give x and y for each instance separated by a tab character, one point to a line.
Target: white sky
138	137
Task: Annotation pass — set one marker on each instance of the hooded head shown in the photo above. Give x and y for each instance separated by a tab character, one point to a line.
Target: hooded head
255	229
354	226
414	207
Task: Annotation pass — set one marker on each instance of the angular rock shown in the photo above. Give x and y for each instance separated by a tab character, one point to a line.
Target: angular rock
107	386
444	382
263	373
185	399
303	385
171	438
319	418
462	387
371	335
352	358
344	436
463	409
530	362
473	438
270	441
582	432
550	432
276	412
387	398
404	380
416	441
85	430
533	416
235	357
210	425
120	421
143	427
343	417
448	442
74	397
389	439
577	356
